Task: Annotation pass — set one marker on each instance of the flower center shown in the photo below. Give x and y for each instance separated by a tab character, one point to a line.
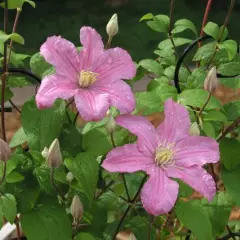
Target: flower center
164	156
87	78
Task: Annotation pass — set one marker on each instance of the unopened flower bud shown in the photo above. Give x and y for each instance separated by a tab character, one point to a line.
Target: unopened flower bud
77	208
211	81
69	177
110	123
112	26
132	237
5	151
45	152
194	129
54	157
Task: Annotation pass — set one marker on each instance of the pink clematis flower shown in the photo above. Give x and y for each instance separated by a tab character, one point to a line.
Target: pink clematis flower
164	153
92	77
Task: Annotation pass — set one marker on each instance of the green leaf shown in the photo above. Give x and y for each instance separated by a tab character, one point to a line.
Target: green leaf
13	36
225	33
70	140
232	110
209	129
18	138
7	95
14	177
156	83
85	236
38	64
47	221
212	29
89	142
27	199
152	66
160	23
14	82
214	115
13	4
230	46
205	52
149	102
196	78
167	57
233	83
85	169
178	41
8	207
147	16
229	69
231	180
182	25
219	210
197	98
42	126
230	154
185	212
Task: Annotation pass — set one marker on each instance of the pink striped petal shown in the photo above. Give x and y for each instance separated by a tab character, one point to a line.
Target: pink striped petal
143	129
126	159
176	123
53	87
120	95
159	193
196	150
115	64
63	55
196	177
91	105
92	47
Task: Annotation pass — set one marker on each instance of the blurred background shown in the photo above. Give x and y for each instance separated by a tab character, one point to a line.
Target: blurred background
65	17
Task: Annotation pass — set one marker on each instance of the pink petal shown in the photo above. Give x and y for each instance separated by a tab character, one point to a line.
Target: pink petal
53	87
159	193
196	150
196	177
63	55
92	47
126	159
120	95
91	105
143	129
176	123
115	64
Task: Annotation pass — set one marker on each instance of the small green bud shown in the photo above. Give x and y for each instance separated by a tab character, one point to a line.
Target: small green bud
112	26
211	81
69	177
194	129
77	208
54	157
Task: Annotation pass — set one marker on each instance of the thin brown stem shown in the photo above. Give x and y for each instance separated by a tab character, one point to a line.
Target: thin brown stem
13	104
129	208
205	104
230	9
18	228
213	174
55	186
75	118
171	16
150	220
108	42
229	129
4	173
13	31
230	232
112	140
5	69
126	188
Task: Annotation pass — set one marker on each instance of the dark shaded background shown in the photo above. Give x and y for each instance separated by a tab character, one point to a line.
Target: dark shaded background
65	17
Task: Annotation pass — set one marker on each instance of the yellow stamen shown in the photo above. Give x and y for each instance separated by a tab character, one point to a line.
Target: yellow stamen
87	78
164	156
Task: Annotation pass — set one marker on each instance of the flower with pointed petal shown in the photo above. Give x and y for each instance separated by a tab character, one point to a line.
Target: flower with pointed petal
164	153
93	76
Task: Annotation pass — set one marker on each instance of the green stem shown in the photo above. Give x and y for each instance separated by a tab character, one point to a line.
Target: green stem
55	186
205	104
4	172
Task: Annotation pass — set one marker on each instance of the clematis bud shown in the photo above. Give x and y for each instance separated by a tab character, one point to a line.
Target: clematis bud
54	157
110	123
69	177
76	208
194	129
211	81
132	237
112	26
45	152
5	151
